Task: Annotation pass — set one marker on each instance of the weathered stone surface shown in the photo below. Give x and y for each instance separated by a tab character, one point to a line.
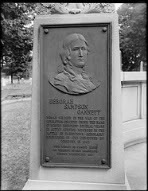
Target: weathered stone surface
76	8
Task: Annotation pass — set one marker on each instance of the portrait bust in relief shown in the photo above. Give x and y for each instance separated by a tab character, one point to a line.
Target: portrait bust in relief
73	79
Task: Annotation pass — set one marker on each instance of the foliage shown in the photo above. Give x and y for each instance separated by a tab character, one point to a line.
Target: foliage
132	21
16	38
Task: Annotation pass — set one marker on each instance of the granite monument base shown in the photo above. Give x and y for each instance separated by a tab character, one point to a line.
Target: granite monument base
60	185
101	163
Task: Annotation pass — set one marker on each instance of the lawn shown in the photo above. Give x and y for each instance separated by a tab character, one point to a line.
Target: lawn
15	138
16	90
15	141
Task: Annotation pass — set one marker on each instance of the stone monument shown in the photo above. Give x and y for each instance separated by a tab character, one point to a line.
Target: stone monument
76	131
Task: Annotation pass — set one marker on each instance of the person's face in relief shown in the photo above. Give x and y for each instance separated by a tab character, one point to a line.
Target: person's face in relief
78	53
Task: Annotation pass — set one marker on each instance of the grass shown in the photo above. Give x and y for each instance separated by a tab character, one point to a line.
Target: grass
15	139
16	90
15	144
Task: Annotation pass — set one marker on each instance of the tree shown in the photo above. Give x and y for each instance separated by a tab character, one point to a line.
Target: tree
16	38
132	21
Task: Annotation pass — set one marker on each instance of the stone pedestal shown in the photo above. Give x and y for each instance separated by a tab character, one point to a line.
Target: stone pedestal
61	185
60	177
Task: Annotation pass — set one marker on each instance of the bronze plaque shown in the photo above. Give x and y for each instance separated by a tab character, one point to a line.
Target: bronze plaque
75	95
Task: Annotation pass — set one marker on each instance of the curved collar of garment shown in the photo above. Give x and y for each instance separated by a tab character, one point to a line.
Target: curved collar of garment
73	76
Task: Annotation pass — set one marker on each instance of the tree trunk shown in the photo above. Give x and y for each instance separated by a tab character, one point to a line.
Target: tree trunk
11	78
11	73
18	78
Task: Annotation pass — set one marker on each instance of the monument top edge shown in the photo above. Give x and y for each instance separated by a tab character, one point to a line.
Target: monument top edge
79	8
89	18
76	15
58	19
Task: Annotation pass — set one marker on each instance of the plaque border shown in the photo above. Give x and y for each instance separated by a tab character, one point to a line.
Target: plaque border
109	93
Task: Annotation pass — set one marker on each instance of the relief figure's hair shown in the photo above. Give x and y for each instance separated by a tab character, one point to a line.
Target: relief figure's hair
65	53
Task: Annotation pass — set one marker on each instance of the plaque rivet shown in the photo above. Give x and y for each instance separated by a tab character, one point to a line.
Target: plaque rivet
46	31
103	161
47	159
104	29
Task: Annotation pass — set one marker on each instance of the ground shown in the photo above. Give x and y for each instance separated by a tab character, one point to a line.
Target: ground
135	166
16	90
15	135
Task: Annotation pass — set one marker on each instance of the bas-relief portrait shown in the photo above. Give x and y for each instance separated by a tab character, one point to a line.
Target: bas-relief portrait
73	79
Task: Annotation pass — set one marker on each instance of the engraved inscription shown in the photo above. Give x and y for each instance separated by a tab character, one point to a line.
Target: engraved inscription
77	135
78	130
